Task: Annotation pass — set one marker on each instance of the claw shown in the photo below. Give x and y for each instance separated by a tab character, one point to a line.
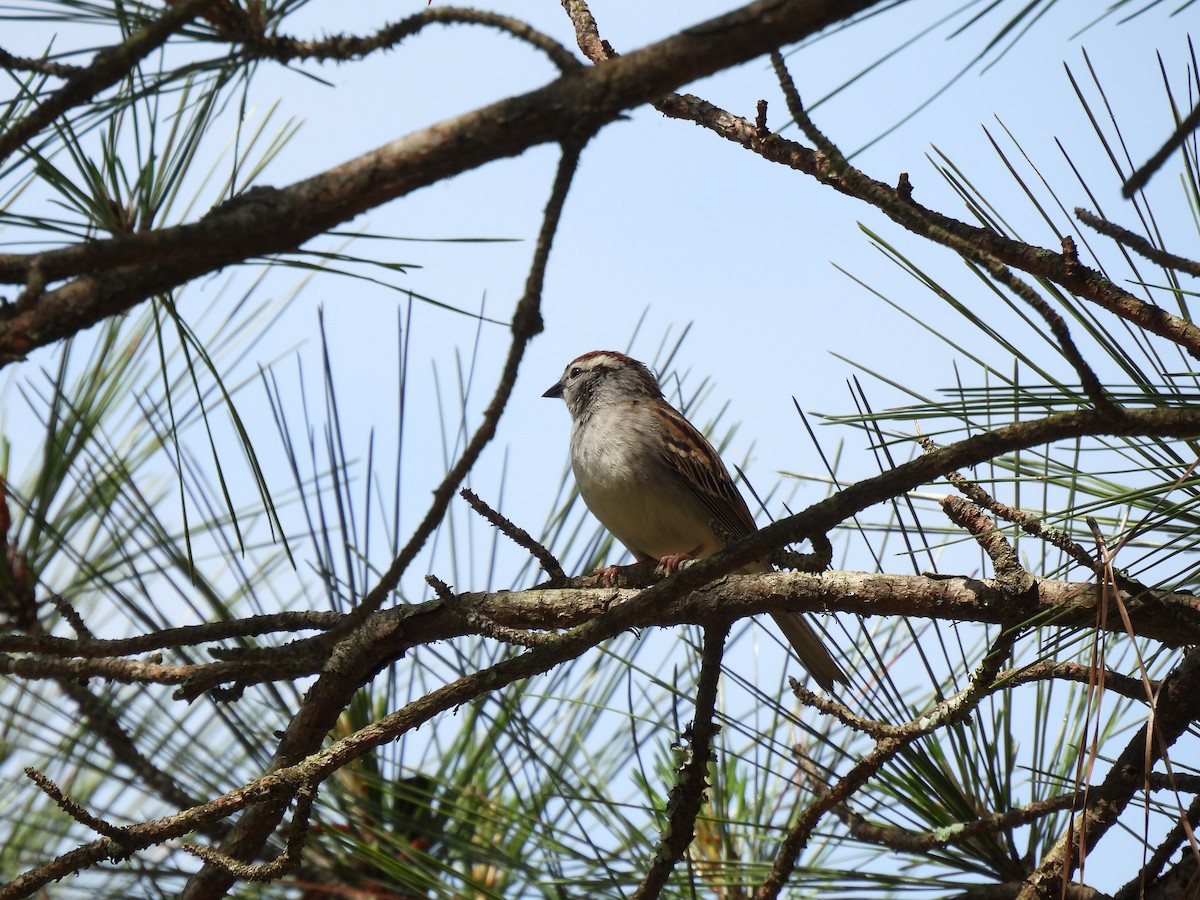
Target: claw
608	573
671	563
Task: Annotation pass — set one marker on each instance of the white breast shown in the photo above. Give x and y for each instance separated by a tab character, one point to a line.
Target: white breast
646	505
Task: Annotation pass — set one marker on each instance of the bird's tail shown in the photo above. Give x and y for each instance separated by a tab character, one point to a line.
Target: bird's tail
811	650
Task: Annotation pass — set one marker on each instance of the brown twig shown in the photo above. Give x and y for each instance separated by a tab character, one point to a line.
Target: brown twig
1031	525
1110	681
837	167
39	66
871	727
517	535
122	671
906	840
587	33
1011	890
286	862
824	515
1095	391
687	794
72	616
184	636
75	810
342	47
1141	177
1137	243
1010	574
897	203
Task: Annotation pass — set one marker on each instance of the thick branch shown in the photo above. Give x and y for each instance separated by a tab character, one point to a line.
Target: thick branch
842	505
109	277
1172	618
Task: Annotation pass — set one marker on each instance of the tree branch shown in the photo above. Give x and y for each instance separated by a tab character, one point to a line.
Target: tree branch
109	277
1063	268
687	795
1176	708
342	47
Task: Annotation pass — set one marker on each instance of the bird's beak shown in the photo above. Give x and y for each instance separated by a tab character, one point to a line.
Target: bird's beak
555	391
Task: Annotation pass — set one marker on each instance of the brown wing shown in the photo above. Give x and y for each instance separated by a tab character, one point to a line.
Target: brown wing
688	452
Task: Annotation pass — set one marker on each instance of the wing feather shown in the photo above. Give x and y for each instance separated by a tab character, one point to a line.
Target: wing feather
689	453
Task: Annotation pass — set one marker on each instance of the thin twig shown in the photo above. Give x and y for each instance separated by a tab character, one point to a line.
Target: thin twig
1137	243
342	47
72	616
1046	670
517	535
1010	574
1141	177
75	810
184	636
587	33
898	204
285	863
906	840
953	709
1031	525
12	63
840	169
1091	384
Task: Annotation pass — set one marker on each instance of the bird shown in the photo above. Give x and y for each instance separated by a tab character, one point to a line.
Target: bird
656	483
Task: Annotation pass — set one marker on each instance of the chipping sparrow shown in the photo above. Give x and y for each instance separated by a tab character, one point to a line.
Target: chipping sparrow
656	482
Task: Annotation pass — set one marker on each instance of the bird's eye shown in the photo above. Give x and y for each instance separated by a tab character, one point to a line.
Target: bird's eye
575	372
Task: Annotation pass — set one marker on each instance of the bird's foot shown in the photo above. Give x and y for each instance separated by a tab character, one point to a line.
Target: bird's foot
610	573
670	563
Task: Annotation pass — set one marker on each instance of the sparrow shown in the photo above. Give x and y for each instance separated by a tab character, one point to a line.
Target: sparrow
656	483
